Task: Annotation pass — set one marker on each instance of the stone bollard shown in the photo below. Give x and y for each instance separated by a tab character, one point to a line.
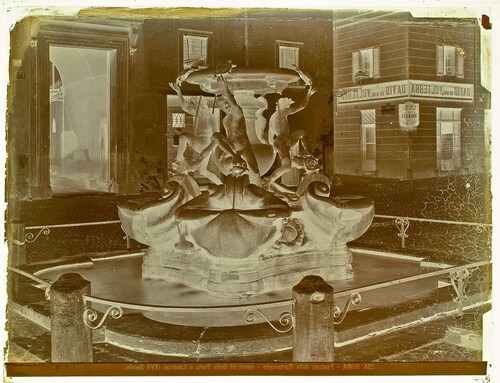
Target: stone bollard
17	244
71	339
313	336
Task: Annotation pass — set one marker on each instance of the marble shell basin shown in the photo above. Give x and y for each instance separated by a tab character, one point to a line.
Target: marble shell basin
251	243
339	219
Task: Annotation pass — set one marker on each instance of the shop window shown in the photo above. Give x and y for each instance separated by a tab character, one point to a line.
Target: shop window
178	120
195	49
365	64
448	138
368	140
450	61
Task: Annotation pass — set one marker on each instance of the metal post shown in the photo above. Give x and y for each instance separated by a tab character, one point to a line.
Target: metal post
17	244
71	339
461	296
459	280
313	312
402	224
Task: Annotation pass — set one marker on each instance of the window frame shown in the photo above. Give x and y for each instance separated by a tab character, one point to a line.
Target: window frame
289	44
454	162
368	164
457	64
183	120
357	62
195	33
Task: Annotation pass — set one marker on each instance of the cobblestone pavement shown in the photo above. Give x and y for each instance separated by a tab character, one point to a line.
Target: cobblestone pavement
64	242
76	241
462	197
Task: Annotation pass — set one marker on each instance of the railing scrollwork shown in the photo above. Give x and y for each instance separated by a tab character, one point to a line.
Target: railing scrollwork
402	224
354	299
286	320
30	237
90	316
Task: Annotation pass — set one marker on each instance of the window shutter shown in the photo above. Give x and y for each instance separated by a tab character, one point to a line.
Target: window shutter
457	145
376	62
355	64
194	50
460	63
185	46
289	56
439	60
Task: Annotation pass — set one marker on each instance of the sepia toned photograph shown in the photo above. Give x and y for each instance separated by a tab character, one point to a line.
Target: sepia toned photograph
248	191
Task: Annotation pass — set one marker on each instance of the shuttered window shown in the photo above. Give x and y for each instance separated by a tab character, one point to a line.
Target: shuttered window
365	64
448	138
194	51
288	56
450	61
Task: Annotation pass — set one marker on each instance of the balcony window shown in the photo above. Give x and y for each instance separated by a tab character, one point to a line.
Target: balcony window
450	61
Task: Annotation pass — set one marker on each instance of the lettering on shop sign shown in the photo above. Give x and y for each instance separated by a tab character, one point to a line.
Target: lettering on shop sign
407	89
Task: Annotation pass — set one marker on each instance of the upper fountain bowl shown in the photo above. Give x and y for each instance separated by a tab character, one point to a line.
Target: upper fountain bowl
260	81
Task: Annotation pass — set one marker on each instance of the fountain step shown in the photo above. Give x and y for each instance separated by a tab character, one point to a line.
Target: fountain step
387	345
464	337
135	338
250	340
203	333
107	276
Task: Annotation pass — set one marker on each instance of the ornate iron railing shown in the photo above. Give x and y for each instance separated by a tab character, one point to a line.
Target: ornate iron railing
403	223
30	237
459	277
46	284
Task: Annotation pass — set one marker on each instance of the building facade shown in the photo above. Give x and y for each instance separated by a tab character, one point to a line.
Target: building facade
409	101
91	109
91	106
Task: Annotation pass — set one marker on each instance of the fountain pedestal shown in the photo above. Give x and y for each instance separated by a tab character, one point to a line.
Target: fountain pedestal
247	86
266	273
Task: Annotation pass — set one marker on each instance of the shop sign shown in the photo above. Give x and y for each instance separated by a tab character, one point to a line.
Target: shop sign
409	116
427	90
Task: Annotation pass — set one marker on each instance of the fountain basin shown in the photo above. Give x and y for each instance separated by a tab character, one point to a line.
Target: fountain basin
119	279
259	81
241	241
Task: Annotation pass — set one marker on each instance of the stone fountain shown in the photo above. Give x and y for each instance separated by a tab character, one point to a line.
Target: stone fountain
248	235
